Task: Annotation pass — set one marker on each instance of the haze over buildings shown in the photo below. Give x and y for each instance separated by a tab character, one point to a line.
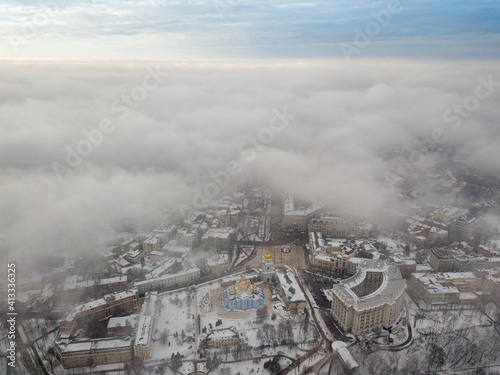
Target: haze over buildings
221	186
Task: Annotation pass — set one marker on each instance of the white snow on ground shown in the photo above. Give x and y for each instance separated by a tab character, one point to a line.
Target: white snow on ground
244	253
451	320
176	314
443	328
250	327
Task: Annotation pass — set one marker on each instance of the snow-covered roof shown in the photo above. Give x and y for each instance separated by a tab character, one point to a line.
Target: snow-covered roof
77	282
222	333
144	332
218	260
458	275
433	285
341	348
123	321
97	344
391	288
162	268
289	207
149	303
290	285
194	270
224	233
74	310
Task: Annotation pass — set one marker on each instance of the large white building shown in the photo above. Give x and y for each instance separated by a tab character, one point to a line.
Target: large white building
185	277
299	217
370	299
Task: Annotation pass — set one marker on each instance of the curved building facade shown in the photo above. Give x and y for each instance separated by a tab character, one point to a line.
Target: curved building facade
370	299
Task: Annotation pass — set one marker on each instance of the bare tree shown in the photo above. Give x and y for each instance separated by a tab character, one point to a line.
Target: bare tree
164	336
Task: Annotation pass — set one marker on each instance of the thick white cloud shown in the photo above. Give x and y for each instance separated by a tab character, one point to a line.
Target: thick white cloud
204	115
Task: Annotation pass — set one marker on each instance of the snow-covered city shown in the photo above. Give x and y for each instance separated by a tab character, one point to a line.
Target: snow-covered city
304	290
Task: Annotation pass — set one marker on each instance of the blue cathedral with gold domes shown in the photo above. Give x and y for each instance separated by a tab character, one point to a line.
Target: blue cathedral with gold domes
242	295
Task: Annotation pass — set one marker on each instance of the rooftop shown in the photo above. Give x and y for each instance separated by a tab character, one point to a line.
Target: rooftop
144	332
393	285
97	344
290	285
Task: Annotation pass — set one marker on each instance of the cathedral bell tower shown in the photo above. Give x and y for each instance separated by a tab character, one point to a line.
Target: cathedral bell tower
267	267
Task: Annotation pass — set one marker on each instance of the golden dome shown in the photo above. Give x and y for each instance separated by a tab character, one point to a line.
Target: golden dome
232	287
267	256
254	286
237	282
249	290
238	290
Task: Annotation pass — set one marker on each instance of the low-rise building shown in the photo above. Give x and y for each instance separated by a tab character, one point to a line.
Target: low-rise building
187	237
122	325
154	243
134	256
144	337
490	281
448	214
217	338
220	239
168	281
431	291
437	236
94	352
463	281
293	216
334	226
441	260
218	263
406	266
290	289
469	263
75	285
109	305
336	262
488	251
162	268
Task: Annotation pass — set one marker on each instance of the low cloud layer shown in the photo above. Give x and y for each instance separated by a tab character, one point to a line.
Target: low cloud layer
318	127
